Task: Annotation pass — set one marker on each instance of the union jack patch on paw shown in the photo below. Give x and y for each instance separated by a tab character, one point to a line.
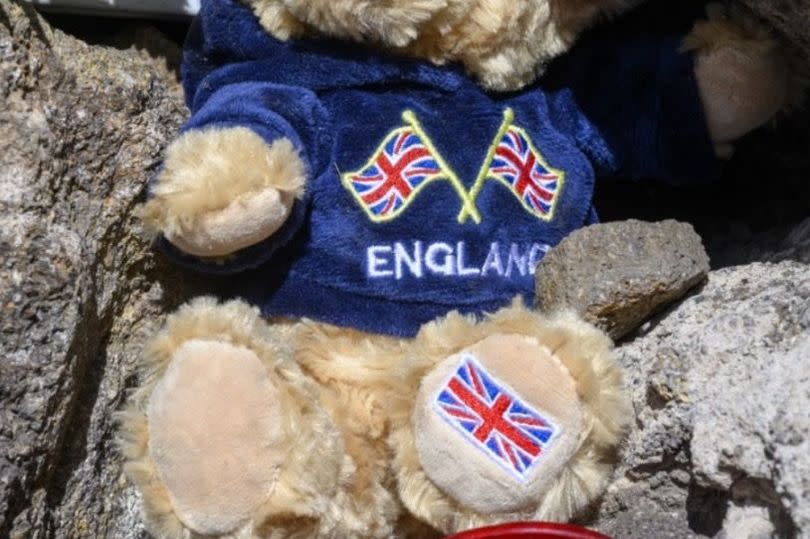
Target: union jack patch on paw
490	416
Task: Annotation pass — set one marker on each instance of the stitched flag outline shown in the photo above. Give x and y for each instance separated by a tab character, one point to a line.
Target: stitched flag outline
494	419
382	186
406	161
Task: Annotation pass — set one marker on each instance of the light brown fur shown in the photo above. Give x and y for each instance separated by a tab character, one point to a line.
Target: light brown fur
583	350
316	491
208	199
206	171
504	43
352	467
744	75
347	401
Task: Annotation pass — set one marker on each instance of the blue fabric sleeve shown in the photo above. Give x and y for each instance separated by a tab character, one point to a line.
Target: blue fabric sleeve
639	112
222	91
273	112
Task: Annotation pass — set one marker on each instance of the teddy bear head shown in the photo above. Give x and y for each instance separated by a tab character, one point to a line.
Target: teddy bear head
503	43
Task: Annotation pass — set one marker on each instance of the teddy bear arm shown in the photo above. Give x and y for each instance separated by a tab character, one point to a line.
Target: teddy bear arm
742	74
663	99
634	103
233	177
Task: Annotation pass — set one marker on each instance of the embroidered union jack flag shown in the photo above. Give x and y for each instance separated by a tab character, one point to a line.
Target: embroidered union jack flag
489	415
389	181
519	165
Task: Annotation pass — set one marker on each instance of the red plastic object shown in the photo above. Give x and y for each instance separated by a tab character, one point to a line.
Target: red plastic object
530	530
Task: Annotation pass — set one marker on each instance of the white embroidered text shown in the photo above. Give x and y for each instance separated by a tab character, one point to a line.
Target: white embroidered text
417	259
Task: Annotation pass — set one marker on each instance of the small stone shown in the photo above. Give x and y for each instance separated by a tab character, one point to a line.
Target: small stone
618	274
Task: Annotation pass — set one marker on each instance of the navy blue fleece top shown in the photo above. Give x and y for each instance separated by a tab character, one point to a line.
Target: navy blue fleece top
425	193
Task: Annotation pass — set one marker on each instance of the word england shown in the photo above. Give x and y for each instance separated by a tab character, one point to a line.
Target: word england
419	259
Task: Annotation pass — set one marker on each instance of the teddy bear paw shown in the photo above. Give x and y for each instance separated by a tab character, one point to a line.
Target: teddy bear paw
496	423
743	74
215	435
512	418
220	438
224	189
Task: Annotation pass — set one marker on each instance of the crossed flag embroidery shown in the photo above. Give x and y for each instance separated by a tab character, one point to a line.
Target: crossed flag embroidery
406	161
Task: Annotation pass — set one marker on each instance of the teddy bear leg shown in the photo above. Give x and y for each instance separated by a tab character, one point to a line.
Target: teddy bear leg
210	435
513	418
354	372
743	75
224	189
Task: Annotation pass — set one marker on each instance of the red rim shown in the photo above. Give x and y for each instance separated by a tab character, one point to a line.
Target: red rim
530	530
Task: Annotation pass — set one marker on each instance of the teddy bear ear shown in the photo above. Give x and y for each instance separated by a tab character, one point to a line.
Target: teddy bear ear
512	418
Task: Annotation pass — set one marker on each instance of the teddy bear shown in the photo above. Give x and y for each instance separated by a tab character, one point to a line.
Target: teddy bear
378	180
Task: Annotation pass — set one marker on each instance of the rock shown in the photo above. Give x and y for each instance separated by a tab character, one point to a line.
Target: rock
734	244
796	246
81	129
618	274
721	391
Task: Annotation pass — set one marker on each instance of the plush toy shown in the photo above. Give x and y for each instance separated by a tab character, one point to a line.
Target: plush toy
375	175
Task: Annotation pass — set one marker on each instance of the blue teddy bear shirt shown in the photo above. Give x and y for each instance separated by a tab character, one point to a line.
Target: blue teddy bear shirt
425	193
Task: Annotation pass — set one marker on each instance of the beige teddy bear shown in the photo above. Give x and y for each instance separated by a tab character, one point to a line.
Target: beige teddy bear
375	175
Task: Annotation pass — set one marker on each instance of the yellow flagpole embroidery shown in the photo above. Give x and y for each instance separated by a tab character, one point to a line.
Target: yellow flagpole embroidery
468	208
483	172
486	173
381	205
560	179
383	193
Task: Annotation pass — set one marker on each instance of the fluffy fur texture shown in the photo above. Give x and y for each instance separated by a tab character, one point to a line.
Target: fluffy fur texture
316	472
347	402
352	370
582	349
222	189
504	43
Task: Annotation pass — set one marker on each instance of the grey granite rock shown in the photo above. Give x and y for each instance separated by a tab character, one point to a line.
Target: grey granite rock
721	442
617	274
81	129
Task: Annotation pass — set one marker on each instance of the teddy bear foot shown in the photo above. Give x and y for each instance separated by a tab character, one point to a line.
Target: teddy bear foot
224	189
517	422
209	436
496	423
215	434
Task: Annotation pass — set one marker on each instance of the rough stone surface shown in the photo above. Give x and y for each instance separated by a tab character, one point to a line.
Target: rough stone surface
618	274
721	442
81	129
733	244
